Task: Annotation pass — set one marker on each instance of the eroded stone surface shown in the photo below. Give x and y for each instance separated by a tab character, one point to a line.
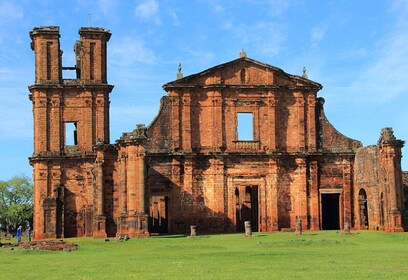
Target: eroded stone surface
191	165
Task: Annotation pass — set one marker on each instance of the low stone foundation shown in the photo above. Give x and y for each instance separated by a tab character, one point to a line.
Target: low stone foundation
55	245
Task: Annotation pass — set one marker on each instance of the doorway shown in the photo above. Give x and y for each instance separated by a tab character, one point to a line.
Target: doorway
246	207
158	214
362	203
330	211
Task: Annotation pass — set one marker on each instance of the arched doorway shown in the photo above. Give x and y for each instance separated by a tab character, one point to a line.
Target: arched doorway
363	209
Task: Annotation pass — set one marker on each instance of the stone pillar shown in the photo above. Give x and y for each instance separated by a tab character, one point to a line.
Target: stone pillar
122	180
186	122
314	196
272	121
298	229
346	227
300	104
272	187
56	144
132	184
178	205
189	191
58	194
141	183
347	190
122	217
390	159
175	120
248	229
217	127
301	195
100	219
40	193
218	171
193	231
99	187
311	122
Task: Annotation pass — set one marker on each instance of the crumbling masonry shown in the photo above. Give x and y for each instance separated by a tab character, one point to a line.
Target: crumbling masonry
193	165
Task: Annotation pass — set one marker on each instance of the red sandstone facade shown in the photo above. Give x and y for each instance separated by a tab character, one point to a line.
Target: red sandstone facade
192	165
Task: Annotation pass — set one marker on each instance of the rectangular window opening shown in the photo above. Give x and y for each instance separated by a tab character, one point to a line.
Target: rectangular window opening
245	126
71	134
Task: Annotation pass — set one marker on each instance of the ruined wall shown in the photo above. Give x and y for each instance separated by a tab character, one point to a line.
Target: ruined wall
62	159
379	196
191	165
328	137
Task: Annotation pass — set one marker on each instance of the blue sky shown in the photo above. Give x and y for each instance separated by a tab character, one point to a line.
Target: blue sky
358	51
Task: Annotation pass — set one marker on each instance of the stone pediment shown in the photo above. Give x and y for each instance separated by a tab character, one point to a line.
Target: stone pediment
243	72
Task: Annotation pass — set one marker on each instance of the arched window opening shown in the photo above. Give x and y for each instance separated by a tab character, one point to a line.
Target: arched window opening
363	206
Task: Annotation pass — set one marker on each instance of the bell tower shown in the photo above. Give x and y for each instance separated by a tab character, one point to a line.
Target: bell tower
70	117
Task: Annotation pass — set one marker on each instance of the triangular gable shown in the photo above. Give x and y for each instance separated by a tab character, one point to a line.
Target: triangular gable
243	71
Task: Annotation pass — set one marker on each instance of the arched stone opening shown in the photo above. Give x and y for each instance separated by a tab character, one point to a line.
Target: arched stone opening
363	209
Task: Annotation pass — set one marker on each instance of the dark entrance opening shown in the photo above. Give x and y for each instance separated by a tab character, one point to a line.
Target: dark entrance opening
330	211
246	207
362	203
158	214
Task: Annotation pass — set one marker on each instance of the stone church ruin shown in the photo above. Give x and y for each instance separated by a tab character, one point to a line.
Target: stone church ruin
192	165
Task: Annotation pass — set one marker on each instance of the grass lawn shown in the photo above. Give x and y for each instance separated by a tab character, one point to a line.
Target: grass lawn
313	255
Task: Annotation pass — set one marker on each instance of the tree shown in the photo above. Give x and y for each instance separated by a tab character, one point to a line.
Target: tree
16	202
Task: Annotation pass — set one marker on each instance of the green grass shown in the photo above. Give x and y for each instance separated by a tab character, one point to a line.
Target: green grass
313	255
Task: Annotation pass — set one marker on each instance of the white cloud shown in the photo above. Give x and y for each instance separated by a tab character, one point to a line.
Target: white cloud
129	51
149	11
385	77
218	8
175	18
278	7
317	34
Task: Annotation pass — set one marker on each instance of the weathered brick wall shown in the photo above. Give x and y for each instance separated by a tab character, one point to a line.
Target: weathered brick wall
328	137
189	166
379	180
63	186
369	176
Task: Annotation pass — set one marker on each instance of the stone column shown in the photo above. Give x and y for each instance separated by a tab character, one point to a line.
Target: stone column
121	220
178	204
390	150
216	114
100	221
141	165
189	191
99	187
347	190
219	198
300	104
175	120
301	195
132	184
272	186
186	122
314	196
122	179
272	121
311	122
